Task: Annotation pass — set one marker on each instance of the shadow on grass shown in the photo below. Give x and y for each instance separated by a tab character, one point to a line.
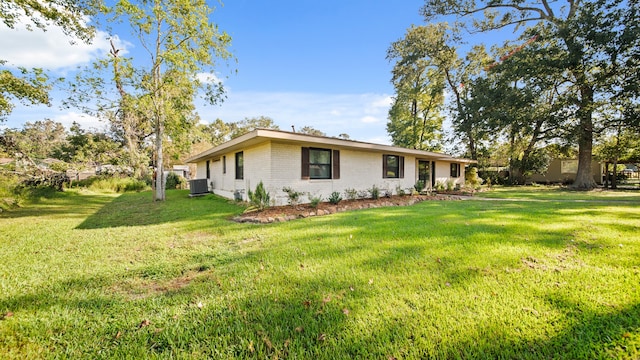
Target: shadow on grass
67	204
138	209
257	306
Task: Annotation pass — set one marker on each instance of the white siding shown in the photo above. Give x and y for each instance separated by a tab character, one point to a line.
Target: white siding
278	165
359	170
443	172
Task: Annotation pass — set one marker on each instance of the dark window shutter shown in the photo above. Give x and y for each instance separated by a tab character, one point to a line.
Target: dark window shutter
305	163
336	164
384	166
401	167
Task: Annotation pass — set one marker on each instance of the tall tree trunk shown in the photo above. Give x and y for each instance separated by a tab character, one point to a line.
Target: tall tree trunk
159	194
584	178
614	178
131	138
414	125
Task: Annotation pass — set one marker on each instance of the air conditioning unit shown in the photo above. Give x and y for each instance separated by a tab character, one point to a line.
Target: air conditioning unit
198	187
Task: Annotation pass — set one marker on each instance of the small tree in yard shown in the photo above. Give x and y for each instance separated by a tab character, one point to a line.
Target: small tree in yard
260	198
472	179
181	46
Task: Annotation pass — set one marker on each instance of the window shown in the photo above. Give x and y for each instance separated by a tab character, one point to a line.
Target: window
569	166
455	170
392	166
320	163
224	164
208	170
239	165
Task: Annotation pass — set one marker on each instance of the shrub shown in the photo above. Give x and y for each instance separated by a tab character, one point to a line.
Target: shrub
472	179
314	201
451	185
260	198
419	186
351	194
400	191
439	185
335	198
175	181
374	191
293	196
109	183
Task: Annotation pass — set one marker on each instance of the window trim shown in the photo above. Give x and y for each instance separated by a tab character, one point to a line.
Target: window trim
329	165
240	165
399	173
454	170
333	166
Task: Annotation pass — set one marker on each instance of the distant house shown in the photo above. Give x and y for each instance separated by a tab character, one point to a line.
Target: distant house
563	171
318	165
182	170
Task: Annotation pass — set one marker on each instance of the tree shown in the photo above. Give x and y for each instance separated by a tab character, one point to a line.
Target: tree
180	43
36	140
31	86
88	148
599	40
310	130
519	106
246	125
415	119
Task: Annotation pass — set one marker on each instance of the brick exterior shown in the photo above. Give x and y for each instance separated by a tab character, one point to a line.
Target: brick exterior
278	165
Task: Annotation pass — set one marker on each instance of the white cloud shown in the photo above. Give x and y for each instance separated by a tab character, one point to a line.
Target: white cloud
208	78
358	115
51	49
85	121
369	119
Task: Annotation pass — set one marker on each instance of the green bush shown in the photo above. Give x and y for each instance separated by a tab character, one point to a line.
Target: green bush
472	179
314	201
419	185
335	198
374	192
450	184
175	181
294	196
351	194
109	183
260	198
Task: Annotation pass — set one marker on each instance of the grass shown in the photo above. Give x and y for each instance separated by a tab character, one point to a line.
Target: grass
558	193
86	275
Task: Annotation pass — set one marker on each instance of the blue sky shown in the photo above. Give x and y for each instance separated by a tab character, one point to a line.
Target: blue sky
299	62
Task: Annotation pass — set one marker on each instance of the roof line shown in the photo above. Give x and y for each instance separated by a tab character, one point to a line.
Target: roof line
300	137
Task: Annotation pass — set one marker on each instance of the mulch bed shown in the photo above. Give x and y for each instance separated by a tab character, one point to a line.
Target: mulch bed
289	212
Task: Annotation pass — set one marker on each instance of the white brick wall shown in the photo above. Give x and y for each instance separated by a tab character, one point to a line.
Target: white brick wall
278	165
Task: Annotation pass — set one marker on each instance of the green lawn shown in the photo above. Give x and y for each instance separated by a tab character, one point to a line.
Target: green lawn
117	276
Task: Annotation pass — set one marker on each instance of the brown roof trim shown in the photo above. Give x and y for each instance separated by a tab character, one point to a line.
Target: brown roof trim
260	135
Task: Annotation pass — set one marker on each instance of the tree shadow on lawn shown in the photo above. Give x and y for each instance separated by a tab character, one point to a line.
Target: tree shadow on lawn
64	205
593	334
306	314
137	209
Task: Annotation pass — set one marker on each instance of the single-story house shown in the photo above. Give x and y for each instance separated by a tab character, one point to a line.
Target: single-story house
318	165
564	171
181	170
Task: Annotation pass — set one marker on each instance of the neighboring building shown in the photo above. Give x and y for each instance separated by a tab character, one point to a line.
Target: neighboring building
563	171
182	170
318	165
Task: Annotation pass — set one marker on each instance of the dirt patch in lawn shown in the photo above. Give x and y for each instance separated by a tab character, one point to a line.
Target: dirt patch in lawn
289	212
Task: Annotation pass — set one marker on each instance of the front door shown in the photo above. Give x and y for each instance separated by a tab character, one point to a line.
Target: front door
424	172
